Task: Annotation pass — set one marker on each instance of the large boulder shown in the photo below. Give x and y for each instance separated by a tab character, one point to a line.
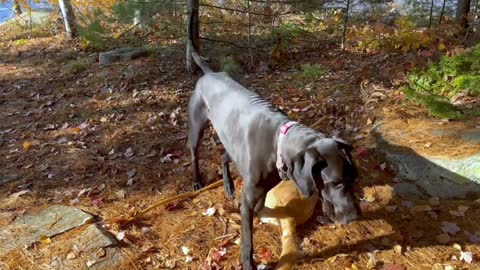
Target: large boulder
443	160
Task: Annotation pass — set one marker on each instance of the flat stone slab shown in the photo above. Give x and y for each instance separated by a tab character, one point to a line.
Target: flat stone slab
122	54
94	248
49	222
440	176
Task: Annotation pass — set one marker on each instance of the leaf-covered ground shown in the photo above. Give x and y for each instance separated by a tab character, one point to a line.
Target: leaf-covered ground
112	140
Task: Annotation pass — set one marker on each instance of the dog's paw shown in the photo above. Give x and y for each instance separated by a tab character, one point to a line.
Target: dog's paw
229	190
197	186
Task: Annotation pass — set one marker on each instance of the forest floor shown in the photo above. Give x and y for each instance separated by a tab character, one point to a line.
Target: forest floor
112	140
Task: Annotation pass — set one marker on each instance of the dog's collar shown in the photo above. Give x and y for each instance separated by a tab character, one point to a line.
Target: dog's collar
282	132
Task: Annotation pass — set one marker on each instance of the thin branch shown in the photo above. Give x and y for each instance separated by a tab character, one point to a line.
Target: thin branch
226	42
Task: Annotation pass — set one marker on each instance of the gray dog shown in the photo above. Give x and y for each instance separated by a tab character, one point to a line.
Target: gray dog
265	148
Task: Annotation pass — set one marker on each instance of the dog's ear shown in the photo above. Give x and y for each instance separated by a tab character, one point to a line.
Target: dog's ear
350	169
304	170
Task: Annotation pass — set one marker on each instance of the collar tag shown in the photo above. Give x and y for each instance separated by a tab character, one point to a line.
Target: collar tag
282	132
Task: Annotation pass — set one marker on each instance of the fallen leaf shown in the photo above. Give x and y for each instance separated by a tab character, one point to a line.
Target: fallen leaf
217	254
62	140
457	247
238	241
146	230
383	166
131	173
103	119
188	259
82	191
166	158
443	238
209	212
26	145
71	256
45	240
362	152
466	256
90	263
449	267
130	182
185	250
128	153
450	228
265	255
74	201
397	249
120	236
120	193
96	202
19	193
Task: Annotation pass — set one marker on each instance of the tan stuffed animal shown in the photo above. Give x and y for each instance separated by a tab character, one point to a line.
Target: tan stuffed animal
285	206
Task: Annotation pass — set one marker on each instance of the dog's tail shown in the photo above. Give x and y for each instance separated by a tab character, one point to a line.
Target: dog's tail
196	57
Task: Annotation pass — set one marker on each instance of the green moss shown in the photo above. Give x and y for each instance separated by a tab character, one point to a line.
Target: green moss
313	71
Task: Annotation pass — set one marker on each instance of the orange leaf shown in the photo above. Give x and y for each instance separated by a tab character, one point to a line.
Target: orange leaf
26	145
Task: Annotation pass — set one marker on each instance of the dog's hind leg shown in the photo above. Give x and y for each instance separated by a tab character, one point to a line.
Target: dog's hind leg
227	178
197	122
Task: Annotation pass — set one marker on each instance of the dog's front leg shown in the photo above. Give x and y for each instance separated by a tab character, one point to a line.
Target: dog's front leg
250	197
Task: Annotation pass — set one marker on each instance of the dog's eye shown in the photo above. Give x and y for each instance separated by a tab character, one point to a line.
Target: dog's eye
339	186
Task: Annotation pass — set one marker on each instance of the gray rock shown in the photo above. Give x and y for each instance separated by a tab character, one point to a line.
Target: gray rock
98	247
408	190
442	177
122	54
94	237
471	135
49	222
8	178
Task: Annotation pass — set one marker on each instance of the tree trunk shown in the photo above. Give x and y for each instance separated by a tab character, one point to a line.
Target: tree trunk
193	32
17	8
441	12
463	8
431	15
68	18
344	32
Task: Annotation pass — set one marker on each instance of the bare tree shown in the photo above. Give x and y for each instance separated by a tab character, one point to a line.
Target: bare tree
193	32
68	18
463	8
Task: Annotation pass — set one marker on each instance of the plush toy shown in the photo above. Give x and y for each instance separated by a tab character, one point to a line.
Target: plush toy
287	208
